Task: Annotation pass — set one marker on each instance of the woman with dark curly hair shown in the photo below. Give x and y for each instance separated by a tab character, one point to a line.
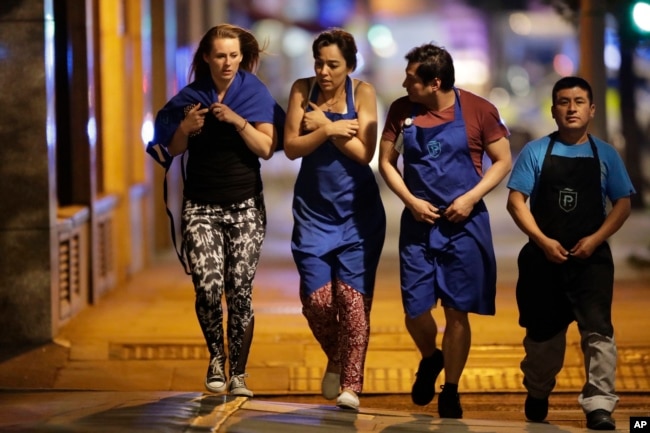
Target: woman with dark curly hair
339	219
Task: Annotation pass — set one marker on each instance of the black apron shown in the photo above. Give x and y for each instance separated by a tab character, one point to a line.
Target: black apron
568	207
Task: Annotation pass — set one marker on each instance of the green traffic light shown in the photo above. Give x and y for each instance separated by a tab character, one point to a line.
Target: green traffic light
641	16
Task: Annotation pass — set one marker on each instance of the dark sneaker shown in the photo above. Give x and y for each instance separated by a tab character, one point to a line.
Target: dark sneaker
449	404
600	419
238	386
215	380
536	409
425	379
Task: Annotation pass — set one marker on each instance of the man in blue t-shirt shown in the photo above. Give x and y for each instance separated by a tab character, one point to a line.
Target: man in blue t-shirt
566	271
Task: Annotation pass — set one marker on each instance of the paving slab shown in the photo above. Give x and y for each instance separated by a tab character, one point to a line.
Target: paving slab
135	412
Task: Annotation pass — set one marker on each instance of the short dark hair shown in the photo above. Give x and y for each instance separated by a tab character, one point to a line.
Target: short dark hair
340	38
435	62
571	82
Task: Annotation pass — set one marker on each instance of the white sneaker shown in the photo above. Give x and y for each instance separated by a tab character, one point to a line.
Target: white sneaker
215	379
348	400
238	386
330	385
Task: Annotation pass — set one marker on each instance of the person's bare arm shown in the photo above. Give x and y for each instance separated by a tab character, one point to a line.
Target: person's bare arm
523	217
305	131
420	209
193	121
361	147
261	138
619	213
295	144
500	155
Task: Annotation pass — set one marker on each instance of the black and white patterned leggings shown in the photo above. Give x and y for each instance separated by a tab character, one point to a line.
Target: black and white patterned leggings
223	245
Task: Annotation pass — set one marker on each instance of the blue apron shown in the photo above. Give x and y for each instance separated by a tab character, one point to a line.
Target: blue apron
453	262
339	218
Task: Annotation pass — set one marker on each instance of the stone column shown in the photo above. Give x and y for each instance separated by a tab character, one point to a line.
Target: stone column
28	253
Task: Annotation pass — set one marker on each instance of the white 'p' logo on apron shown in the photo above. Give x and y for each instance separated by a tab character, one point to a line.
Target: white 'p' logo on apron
434	148
568	199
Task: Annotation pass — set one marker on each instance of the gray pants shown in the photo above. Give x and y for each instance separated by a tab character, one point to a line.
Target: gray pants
544	359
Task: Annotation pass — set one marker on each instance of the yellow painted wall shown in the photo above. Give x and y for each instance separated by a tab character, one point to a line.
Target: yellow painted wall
113	68
122	112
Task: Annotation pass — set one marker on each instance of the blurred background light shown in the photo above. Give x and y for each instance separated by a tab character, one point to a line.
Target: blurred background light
499	97
146	132
563	65
269	31
361	64
520	23
381	40
519	80
296	42
612	57
470	71
334	13
641	15
290	10
91	130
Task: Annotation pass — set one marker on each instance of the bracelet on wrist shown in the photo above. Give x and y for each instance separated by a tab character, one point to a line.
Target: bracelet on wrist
243	126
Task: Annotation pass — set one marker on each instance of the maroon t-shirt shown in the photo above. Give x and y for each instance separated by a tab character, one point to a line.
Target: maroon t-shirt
482	122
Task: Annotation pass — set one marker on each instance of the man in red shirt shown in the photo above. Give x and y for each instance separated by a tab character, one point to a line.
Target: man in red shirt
446	250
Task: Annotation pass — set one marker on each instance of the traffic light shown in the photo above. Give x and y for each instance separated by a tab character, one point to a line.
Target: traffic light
640	11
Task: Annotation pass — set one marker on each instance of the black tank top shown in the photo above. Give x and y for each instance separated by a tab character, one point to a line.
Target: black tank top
221	169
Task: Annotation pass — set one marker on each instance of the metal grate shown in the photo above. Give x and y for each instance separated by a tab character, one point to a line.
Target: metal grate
105	242
157	351
71	273
64	278
104	274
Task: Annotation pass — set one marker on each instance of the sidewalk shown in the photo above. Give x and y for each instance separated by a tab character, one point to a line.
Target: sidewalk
139	412
136	361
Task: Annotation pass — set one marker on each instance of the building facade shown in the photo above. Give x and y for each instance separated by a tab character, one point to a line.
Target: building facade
82	202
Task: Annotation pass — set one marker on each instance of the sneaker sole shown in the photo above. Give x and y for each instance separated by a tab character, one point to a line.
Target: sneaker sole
347	401
213	388
347	405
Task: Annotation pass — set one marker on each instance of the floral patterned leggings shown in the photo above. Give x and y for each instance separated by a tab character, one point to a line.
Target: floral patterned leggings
339	318
223	245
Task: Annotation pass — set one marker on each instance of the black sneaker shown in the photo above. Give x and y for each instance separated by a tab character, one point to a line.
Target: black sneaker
215	379
425	379
536	409
449	404
600	419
